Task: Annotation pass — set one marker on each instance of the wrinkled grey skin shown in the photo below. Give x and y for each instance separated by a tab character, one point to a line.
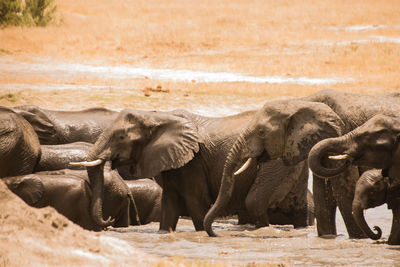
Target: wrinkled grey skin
68	191
147	195
19	145
284	129
370	192
21	152
57	157
187	152
55	127
289	129
375	144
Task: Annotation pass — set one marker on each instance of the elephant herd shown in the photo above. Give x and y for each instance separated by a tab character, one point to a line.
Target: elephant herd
104	168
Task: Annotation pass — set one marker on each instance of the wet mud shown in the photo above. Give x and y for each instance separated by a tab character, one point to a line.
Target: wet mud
238	244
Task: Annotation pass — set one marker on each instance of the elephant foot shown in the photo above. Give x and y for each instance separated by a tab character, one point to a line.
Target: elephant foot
299	226
261	224
163	232
328	236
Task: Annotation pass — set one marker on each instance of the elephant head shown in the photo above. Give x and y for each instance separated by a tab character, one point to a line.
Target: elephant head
371	145
370	192
284	129
149	142
19	145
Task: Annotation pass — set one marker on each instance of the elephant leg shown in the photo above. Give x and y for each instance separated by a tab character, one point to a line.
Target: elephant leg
325	206
124	219
300	217
195	193
343	189
393	202
171	205
244	217
169	211
394	237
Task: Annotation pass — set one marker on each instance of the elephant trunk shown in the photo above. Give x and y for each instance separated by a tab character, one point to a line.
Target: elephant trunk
320	152
358	214
96	178
227	182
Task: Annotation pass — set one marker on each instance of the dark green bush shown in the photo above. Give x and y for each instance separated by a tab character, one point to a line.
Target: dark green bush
33	13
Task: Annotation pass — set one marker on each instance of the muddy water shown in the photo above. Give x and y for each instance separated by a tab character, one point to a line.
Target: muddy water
42	67
274	244
236	244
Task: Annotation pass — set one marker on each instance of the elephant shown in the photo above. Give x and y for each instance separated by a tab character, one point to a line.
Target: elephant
370	192
147	195
55	127
68	191
21	152
19	144
186	153
288	129
375	144
57	157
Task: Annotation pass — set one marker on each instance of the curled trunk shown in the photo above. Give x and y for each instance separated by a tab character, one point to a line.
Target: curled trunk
319	155
227	183
358	214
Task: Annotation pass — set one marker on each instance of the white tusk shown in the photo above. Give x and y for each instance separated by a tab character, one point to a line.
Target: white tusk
87	163
244	167
339	157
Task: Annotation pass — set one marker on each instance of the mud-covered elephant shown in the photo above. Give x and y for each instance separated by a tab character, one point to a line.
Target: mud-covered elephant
147	195
61	127
19	144
288	129
375	144
21	152
187	153
370	192
68	191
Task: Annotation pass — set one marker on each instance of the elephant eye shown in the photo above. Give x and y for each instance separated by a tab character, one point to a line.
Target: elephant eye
121	137
261	131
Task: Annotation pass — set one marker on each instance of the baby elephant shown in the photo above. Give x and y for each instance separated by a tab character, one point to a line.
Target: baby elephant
68	191
370	192
147	195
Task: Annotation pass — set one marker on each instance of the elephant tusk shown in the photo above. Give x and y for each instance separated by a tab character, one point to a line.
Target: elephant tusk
339	157
87	163
244	166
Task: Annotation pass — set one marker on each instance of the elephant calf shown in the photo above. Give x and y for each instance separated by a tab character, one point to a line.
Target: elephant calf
370	192
68	191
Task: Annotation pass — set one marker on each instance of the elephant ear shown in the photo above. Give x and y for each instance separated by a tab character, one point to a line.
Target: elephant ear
311	123
174	142
40	122
30	189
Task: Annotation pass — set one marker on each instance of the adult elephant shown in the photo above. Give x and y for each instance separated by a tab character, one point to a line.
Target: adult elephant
68	191
187	153
288	130
371	190
57	157
375	144
55	127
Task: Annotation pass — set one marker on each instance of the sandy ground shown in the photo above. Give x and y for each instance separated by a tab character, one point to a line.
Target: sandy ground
356	42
